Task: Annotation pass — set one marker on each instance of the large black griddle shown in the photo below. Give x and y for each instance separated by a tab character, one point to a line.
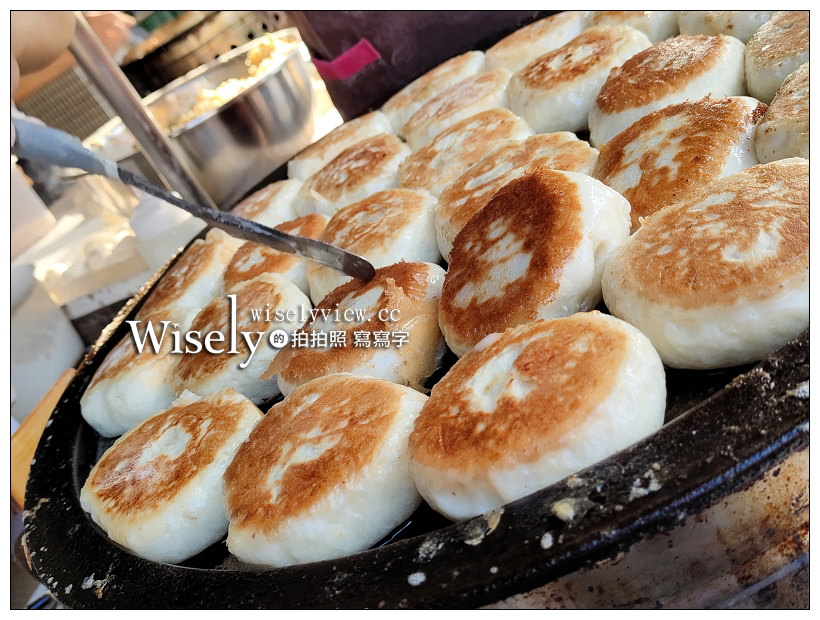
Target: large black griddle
724	429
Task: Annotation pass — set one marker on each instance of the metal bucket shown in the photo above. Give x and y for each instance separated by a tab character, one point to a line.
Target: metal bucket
231	148
193	39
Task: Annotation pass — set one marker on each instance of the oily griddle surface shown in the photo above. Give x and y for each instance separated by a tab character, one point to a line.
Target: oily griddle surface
723	429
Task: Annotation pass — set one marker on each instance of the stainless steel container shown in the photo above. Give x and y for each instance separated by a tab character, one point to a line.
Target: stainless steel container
233	147
192	39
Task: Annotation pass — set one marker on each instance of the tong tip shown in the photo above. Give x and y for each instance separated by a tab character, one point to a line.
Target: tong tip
358	267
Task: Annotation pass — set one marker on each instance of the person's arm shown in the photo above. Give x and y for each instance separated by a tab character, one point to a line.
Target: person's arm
112	27
37	40
39	37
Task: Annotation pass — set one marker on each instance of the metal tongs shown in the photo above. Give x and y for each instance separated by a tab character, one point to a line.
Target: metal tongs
52	146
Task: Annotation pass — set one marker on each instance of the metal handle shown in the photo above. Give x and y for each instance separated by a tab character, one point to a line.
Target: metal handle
53	146
45	144
109	78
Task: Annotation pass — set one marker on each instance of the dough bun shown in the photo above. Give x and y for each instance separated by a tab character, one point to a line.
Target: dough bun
536	250
158	490
722	277
325	473
543	401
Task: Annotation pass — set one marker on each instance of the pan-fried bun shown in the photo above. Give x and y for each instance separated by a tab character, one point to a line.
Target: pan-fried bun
230	362
320	153
541	402
784	130
775	51
455	150
158	490
254	259
357	172
675	151
468	194
722	277
522	46
483	91
555	91
401	106
535	251
130	385
191	282
324	474
657	25
739	24
389	226
386	328
134	383
271	205
684	67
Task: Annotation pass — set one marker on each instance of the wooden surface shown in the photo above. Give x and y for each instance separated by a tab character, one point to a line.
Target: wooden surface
25	439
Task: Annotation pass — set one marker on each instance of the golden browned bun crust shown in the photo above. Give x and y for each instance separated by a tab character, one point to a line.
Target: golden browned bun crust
591	49
690	254
406	290
270	205
215	317
784	35
172	284
479	92
532	209
121	481
157	490
318	154
453	151
792	99
664	68
531	406
372	225
384	228
191	282
125	357
238	357
775	51
361	161
473	190
784	130
720	278
556	91
353	413
557	384
519	48
366	167
325	474
253	259
535	251
672	152
401	106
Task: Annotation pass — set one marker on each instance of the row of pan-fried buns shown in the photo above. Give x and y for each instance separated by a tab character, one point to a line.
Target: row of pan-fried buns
685	211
